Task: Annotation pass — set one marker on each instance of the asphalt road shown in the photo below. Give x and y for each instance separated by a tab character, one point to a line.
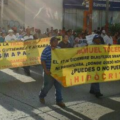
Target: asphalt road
19	99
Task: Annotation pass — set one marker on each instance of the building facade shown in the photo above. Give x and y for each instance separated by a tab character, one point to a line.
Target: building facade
55	13
73	13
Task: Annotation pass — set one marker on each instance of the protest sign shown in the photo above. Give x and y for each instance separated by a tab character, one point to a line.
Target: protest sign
18	54
84	65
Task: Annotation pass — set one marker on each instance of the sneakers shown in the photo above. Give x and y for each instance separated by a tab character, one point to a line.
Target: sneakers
42	100
92	92
60	104
98	95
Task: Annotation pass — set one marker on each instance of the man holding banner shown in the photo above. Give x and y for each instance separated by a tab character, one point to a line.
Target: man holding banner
49	81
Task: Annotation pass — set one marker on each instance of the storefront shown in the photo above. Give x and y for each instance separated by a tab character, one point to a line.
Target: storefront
73	13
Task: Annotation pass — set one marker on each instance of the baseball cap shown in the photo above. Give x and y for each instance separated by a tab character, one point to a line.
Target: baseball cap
10	31
103	31
96	37
54	39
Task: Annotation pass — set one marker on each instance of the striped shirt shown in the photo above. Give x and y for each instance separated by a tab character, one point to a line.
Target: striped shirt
46	57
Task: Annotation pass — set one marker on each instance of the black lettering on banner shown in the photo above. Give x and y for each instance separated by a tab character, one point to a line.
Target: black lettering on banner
13	54
64	61
57	68
6	55
79	70
105	68
101	57
98	68
55	62
93	63
115	67
117	61
115	56
108	62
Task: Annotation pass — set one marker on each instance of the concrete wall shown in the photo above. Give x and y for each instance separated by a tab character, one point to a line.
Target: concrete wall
14	13
44	13
34	13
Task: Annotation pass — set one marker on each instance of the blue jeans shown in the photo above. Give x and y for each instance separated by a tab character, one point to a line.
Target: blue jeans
95	87
49	81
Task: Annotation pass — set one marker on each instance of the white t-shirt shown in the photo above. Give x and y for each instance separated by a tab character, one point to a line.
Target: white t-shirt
108	40
10	38
28	38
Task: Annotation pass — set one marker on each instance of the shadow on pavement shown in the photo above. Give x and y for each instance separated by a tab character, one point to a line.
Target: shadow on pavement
27	94
64	112
112	104
9	99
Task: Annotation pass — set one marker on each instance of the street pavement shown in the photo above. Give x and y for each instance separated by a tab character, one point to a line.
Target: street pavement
19	99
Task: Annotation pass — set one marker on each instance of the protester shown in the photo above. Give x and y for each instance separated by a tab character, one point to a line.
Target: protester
60	32
3	30
14	29
55	32
38	34
20	35
95	87
80	41
115	38
118	40
32	31
71	37
51	30
10	36
102	40
63	31
2	37
64	43
103	33
49	81
98	30
108	39
77	42
27	37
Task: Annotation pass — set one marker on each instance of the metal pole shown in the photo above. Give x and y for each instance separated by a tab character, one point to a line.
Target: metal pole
90	15
1	13
107	14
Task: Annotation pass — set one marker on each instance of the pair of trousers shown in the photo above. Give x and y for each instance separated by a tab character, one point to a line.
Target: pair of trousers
95	87
49	81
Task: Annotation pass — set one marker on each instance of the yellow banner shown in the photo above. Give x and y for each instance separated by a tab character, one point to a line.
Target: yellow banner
84	65
18	54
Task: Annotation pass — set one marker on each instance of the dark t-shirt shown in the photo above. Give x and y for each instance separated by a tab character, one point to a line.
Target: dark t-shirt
102	40
118	41
63	45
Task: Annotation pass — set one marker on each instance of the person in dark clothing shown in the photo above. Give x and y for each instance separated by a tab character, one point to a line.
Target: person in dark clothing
95	87
64	43
102	40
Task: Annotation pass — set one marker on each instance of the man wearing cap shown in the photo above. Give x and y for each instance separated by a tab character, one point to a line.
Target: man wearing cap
10	36
95	87
49	81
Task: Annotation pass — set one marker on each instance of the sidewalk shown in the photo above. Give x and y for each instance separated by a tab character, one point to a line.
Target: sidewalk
19	99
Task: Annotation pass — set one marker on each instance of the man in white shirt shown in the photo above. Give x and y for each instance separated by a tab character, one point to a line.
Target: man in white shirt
28	36
10	36
103	33
108	39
